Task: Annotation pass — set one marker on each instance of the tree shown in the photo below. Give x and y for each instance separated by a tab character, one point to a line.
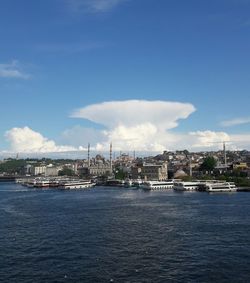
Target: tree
66	172
208	164
12	166
120	174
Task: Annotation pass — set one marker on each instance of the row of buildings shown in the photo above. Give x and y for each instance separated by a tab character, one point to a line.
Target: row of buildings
160	167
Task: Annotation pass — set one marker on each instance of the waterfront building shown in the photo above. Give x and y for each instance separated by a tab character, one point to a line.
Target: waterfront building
240	166
52	171
154	171
38	170
135	172
99	170
97	166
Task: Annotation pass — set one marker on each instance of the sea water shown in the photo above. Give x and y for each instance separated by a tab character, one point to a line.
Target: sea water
123	235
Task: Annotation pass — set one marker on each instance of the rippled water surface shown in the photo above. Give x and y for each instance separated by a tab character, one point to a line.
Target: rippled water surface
122	235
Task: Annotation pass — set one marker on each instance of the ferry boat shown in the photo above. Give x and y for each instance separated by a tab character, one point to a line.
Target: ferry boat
221	187
30	183
137	183
20	181
77	184
53	183
114	183
186	186
128	183
42	184
157	185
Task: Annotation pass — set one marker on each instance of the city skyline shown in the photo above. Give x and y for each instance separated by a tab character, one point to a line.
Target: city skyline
145	76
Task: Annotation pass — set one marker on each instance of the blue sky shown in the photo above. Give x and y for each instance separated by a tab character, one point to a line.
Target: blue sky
57	56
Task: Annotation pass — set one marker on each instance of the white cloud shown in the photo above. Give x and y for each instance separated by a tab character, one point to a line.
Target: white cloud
164	114
236	122
240	141
93	5
147	126
27	140
140	125
208	139
137	124
12	70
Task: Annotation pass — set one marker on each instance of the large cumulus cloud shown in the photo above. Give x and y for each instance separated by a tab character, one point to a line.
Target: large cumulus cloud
136	124
26	140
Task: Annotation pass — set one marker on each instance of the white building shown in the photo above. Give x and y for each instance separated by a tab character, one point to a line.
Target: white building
38	170
52	171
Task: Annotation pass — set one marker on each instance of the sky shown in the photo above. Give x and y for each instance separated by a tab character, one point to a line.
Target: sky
146	75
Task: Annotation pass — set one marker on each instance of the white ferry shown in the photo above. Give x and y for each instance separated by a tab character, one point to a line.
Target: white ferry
221	187
137	183
128	183
30	183
77	184
20	181
186	186
42	183
157	185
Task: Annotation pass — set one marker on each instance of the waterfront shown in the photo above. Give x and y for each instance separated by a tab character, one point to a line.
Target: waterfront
123	235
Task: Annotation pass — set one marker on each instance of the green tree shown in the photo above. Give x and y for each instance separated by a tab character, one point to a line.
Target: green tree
120	174
12	166
66	172
208	164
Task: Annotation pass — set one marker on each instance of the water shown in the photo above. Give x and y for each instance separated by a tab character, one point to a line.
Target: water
121	235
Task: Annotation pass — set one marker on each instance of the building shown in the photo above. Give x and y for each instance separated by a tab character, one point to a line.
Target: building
52	171
154	171
136	172
38	170
99	170
240	166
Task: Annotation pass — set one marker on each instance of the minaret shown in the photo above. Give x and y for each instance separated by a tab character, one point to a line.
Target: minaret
190	167
110	156
88	155
225	154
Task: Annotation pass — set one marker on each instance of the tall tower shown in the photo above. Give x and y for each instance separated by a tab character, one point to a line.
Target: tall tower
110	157
225	154
88	155
190	167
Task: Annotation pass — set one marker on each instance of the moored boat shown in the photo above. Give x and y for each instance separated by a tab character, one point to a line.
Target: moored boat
157	185
77	184
186	186
221	187
42	184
